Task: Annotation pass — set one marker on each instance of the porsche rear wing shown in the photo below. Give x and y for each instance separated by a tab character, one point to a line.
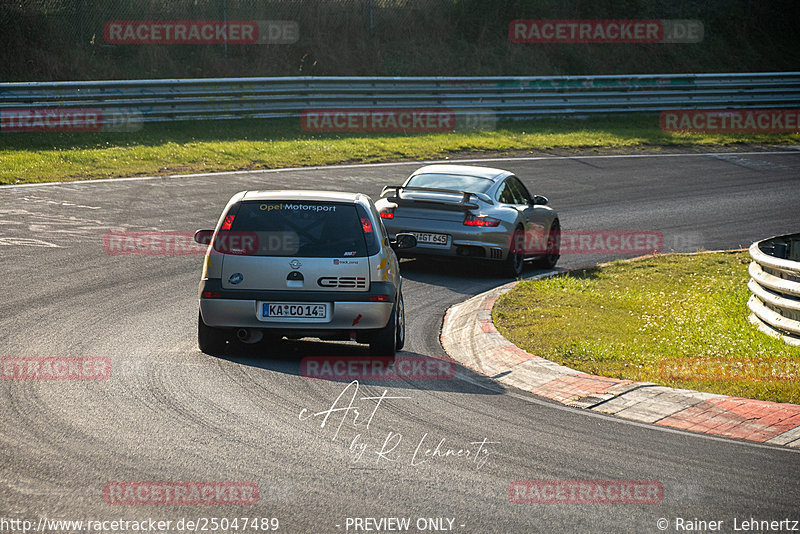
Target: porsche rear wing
393	193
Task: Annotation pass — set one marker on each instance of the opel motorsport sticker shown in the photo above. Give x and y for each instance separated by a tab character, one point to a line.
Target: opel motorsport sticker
296	207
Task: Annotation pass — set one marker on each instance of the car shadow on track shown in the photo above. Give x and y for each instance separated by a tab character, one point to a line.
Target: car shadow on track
464	276
344	362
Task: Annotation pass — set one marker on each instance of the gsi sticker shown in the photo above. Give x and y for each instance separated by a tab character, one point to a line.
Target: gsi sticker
342	281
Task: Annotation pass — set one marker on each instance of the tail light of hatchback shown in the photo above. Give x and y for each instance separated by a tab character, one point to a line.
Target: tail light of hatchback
366	225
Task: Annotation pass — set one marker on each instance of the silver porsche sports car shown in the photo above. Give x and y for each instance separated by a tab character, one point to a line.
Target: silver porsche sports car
473	212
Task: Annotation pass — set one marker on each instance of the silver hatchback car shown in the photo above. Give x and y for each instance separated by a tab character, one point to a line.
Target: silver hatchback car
301	264
473	212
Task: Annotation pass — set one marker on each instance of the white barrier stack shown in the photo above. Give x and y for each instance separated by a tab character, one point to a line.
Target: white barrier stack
775	287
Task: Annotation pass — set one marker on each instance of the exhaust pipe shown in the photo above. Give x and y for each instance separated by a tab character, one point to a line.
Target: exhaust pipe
247	335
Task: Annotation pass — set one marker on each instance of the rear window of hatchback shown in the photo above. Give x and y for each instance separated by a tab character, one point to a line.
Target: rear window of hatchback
298	229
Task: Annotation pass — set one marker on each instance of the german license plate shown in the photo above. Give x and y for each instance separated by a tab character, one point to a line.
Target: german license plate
293	310
430	239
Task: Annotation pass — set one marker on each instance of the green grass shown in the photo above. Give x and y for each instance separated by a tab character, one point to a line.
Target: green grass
676	320
261	144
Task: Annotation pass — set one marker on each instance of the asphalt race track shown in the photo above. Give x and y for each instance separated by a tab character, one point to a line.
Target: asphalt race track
171	413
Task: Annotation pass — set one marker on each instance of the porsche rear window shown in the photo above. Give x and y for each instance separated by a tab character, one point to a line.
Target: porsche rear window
454	182
302	229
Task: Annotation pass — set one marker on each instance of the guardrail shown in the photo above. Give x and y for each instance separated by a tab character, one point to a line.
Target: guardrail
515	97
775	287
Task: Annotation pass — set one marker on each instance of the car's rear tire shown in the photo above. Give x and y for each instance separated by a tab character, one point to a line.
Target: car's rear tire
400	337
514	263
549	260
385	341
209	339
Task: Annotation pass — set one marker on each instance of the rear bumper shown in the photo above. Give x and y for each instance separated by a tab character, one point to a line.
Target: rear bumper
349	310
488	243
